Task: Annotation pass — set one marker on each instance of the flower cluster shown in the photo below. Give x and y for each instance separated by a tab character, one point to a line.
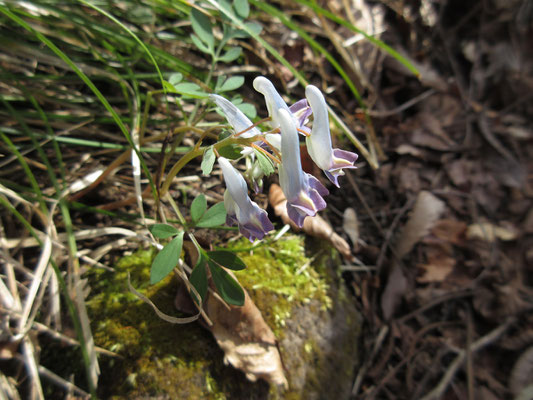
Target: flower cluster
304	193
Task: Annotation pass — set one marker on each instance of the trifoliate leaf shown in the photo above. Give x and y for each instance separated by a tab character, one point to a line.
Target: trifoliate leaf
227	259
232	83
198	207
231	55
215	216
163	231
265	163
166	259
208	161
202	27
228	288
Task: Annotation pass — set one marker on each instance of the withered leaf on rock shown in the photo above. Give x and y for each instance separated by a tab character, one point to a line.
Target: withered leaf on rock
247	341
241	332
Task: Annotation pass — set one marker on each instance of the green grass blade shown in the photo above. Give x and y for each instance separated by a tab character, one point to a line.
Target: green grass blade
27	170
313	43
89	83
383	46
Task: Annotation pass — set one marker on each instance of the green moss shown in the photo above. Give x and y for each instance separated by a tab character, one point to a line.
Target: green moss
280	276
156	357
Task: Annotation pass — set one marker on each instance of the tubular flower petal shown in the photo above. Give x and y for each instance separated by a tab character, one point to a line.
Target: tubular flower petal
253	222
303	191
299	111
235	117
331	161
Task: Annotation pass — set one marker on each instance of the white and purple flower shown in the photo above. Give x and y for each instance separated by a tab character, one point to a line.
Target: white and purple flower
253	222
300	110
303	191
235	117
330	160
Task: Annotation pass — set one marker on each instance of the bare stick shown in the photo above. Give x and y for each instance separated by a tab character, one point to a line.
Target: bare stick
458	362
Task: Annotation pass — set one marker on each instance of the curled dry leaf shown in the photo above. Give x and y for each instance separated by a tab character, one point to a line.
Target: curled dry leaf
247	341
313	226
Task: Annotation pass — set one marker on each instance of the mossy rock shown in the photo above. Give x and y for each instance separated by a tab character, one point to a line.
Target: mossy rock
303	301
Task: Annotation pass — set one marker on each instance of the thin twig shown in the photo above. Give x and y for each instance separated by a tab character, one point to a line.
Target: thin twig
68	386
402	107
489	338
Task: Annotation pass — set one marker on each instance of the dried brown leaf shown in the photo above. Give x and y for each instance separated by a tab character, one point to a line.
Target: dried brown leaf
437	269
313	226
241	332
247	341
426	211
450	230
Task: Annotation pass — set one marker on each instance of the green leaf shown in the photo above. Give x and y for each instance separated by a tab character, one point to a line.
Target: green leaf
248	109
201	46
265	163
202	27
176	78
227	259
254	27
208	161
163	231
166	259
231	151
231	55
215	216
223	135
190	89
232	83
228	288
198	279
198	207
220	81
242	8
